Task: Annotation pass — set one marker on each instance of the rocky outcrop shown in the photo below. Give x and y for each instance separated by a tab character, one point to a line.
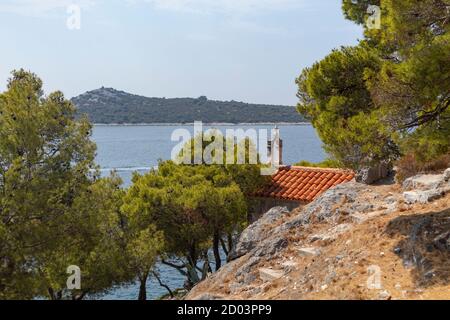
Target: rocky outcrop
426	188
423	196
373	174
424	182
256	232
346	199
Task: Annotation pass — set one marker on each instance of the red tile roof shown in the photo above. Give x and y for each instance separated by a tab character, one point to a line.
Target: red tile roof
303	183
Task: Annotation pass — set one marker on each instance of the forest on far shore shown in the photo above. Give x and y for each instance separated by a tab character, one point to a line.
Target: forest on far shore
108	106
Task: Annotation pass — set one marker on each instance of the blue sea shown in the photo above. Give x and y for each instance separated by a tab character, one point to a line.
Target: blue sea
127	149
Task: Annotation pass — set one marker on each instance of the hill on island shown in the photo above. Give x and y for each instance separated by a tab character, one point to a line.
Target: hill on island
108	106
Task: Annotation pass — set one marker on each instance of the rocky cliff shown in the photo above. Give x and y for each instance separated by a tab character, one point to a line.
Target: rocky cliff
354	242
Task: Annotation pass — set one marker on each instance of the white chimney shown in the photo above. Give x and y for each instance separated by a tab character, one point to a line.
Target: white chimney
275	149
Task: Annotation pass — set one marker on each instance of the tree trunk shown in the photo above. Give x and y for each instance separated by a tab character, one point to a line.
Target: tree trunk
162	284
224	246
230	242
143	288
216	242
55	295
193	278
51	293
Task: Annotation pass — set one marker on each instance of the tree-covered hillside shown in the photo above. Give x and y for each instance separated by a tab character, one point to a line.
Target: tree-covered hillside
108	105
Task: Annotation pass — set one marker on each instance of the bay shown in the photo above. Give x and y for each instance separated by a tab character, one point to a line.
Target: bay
127	149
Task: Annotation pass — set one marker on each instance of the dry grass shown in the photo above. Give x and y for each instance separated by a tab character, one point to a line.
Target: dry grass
409	166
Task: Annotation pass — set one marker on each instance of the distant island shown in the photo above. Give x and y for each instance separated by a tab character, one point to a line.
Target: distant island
110	106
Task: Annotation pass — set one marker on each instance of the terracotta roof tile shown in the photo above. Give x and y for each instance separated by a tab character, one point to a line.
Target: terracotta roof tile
303	183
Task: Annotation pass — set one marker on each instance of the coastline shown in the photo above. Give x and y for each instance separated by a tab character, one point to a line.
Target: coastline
205	124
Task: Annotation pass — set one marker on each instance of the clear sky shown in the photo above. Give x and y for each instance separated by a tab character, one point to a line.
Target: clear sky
246	50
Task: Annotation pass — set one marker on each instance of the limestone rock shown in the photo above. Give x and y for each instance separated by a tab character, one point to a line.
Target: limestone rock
446	175
332	203
424	196
391	207
373	174
270	247
413	197
423	182
256	232
333	233
269	274
248	266
309	252
249	278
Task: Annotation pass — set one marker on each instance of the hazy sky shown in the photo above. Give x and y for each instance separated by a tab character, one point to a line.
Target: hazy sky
246	50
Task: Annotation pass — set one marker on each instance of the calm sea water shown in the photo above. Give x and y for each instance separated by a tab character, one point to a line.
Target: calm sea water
138	148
